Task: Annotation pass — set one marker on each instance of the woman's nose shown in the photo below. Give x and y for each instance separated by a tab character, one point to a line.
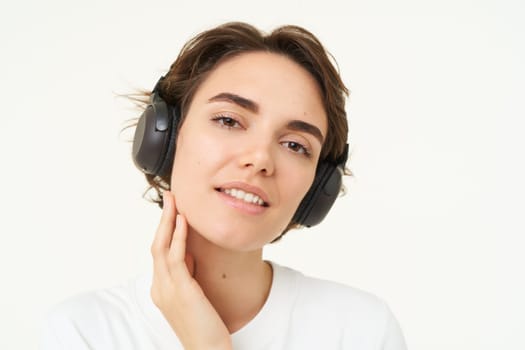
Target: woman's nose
258	158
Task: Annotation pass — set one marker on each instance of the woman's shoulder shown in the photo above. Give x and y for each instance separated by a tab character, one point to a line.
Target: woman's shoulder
328	293
340	311
96	304
104	317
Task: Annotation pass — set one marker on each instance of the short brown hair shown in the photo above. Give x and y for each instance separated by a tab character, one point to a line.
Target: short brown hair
201	54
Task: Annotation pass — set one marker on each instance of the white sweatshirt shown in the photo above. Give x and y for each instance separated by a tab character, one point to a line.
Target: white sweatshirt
300	313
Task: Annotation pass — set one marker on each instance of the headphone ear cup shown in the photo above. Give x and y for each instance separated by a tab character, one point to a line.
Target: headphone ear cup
169	154
321	195
155	138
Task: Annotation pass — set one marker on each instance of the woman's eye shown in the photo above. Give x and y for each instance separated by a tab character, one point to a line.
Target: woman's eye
297	148
227	122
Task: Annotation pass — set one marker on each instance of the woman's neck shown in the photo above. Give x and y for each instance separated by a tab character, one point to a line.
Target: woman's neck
236	283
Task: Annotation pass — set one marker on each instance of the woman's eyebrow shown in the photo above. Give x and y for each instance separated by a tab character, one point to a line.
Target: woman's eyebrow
299	125
236	99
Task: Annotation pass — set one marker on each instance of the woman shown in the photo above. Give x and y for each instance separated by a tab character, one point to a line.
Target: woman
243	139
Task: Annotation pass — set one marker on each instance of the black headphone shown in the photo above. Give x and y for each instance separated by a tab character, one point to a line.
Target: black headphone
154	150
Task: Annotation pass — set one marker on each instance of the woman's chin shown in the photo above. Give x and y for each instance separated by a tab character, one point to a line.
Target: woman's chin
232	239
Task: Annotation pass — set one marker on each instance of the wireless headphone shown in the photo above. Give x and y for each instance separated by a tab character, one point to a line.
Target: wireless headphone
154	150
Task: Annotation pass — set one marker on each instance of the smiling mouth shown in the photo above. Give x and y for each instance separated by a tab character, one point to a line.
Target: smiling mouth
243	196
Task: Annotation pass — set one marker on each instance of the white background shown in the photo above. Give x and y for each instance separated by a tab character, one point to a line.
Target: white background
433	222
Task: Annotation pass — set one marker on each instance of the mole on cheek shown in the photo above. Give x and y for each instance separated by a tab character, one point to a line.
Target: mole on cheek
223	275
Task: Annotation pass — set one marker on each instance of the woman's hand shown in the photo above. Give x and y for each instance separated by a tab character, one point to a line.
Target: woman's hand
176	293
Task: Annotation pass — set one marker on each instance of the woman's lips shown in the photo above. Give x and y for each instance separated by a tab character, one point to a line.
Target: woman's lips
241	204
242	196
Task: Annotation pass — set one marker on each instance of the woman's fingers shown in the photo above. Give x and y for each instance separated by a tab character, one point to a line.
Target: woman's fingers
190	264
163	237
169	246
178	240
180	264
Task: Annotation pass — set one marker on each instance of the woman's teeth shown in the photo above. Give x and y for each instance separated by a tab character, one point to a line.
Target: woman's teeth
245	196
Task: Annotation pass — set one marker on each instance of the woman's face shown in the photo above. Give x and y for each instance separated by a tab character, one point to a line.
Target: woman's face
248	149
